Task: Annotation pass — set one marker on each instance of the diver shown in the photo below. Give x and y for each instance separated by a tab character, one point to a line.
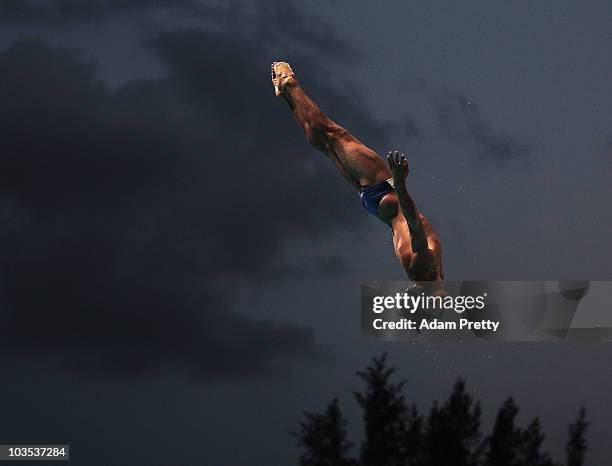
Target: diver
382	187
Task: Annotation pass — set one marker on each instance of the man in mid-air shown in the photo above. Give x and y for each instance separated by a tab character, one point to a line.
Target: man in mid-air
382	187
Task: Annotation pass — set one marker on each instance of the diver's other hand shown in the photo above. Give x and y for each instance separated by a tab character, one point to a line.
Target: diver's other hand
399	167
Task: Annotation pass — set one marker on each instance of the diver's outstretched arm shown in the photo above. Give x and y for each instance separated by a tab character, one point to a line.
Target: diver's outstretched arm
399	168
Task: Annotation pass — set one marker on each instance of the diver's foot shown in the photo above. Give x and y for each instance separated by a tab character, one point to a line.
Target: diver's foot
282	76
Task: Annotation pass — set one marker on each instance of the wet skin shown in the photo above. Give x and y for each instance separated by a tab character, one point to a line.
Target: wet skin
415	242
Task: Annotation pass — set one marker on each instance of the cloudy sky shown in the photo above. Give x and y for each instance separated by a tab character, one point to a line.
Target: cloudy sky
180	270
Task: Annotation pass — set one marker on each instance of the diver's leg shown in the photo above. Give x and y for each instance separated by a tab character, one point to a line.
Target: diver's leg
359	164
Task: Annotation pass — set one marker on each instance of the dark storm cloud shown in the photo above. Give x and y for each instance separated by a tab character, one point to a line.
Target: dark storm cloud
124	211
78	9
411	129
460	120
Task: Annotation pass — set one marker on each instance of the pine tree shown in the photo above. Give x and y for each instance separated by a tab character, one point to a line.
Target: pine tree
453	431
414	439
392	430
396	435
502	446
532	439
323	438
576	446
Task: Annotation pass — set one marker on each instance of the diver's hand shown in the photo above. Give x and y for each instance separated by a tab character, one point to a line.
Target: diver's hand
399	167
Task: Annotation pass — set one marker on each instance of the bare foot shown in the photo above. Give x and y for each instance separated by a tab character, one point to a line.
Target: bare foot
282	75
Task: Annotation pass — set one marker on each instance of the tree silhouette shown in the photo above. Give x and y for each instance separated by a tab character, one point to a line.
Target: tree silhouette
323	438
531	443
397	435
453	430
414	442
392	429
508	445
576	446
503	445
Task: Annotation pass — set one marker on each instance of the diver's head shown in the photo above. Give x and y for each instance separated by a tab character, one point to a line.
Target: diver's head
423	272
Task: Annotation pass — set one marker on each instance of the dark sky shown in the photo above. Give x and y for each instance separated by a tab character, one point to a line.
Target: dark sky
180	270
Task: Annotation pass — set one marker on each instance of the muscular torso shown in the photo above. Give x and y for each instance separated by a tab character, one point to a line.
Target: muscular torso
424	265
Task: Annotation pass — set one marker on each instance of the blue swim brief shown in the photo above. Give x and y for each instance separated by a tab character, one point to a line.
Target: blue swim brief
371	195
